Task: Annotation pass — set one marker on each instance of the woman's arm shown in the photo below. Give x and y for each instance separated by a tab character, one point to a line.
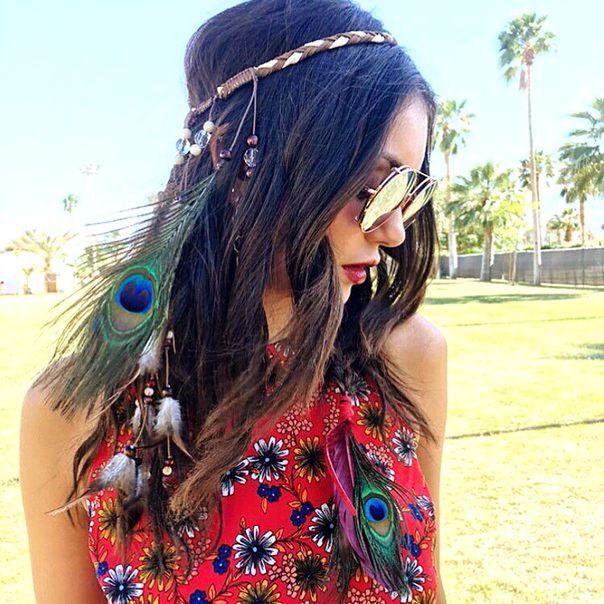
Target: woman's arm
61	566
419	350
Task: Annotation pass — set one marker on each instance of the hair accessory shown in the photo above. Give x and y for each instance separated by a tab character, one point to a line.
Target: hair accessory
252	74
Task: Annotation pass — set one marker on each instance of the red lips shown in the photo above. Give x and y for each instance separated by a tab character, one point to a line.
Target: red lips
355	272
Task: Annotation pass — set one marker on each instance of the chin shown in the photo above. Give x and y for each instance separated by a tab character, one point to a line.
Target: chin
346	289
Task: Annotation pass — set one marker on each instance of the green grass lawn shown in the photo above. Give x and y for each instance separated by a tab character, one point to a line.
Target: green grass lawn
521	510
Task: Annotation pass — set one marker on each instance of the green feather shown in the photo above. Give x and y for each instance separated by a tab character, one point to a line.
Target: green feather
378	521
124	306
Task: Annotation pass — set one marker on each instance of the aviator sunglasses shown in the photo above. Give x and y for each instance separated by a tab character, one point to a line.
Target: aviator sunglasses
403	187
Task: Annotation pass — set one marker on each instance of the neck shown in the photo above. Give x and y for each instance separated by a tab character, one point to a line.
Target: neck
278	308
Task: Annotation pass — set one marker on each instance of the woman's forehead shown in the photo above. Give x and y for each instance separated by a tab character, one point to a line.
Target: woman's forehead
407	137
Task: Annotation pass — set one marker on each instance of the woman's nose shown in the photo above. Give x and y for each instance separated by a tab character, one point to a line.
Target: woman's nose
390	233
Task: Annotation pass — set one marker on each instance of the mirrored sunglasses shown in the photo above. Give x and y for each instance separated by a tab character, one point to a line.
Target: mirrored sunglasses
404	187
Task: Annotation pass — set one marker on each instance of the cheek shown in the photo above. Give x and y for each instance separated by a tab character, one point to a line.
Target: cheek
344	231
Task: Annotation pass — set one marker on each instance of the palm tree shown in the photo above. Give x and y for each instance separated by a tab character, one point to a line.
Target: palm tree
48	247
27	271
582	159
577	186
569	222
519	43
452	125
488	198
544	165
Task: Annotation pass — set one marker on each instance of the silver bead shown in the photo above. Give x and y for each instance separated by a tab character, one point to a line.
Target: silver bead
250	157
183	146
202	138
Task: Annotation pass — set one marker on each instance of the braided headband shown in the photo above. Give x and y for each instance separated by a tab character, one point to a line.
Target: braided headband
202	137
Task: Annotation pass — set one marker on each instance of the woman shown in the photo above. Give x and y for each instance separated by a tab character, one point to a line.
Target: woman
268	407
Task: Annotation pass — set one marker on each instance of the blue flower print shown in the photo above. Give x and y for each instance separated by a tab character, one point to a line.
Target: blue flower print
221	565
198	597
409	543
101	569
297	517
415	512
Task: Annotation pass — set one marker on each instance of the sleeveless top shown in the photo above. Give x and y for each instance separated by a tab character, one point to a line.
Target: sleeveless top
278	517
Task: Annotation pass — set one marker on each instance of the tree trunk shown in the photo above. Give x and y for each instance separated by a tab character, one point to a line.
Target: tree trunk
568	235
485	268
534	197
451	233
582	219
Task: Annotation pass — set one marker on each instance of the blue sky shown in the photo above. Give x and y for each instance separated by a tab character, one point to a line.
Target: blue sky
103	83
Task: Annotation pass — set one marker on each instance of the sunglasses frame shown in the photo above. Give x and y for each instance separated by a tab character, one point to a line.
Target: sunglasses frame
421	182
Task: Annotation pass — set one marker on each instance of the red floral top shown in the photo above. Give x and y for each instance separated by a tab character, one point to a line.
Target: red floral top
278	518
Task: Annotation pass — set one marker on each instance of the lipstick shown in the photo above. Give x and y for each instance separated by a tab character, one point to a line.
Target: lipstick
355	272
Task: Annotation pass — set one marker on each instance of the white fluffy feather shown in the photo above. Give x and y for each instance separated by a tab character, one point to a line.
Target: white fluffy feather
150	358
136	419
119	472
169	417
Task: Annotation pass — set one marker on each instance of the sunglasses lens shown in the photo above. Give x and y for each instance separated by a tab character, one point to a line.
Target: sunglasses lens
419	199
387	200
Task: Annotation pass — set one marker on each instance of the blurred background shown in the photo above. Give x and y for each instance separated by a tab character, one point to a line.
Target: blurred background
94	101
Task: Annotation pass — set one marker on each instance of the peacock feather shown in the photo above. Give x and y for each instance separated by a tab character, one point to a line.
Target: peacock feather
369	516
122	309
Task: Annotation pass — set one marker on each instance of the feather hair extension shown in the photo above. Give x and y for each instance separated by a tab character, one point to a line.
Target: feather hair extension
150	358
168	423
369	516
118	316
136	418
119	472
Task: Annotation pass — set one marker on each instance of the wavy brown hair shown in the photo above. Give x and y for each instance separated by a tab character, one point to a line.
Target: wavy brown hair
321	125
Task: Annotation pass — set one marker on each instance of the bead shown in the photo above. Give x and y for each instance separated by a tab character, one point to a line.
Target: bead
179	160
250	157
202	138
167	471
249	173
252	140
183	146
225	154
148	391
130	450
186	133
209	126
195	150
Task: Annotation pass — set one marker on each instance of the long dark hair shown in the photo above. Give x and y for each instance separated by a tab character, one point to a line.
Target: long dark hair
321	124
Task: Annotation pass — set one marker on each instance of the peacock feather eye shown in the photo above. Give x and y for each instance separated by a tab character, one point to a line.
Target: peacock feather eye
377	512
132	300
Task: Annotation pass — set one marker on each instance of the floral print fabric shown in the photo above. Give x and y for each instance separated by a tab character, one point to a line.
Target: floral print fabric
278	518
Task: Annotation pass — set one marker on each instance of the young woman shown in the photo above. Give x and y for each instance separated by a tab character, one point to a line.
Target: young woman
252	409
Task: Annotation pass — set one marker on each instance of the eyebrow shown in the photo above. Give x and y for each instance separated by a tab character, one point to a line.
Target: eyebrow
393	161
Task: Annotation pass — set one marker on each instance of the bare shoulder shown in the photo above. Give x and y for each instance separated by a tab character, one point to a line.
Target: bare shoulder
417	351
61	568
418	348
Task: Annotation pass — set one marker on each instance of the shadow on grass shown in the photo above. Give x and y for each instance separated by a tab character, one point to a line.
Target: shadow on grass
580	422
500	299
588	352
